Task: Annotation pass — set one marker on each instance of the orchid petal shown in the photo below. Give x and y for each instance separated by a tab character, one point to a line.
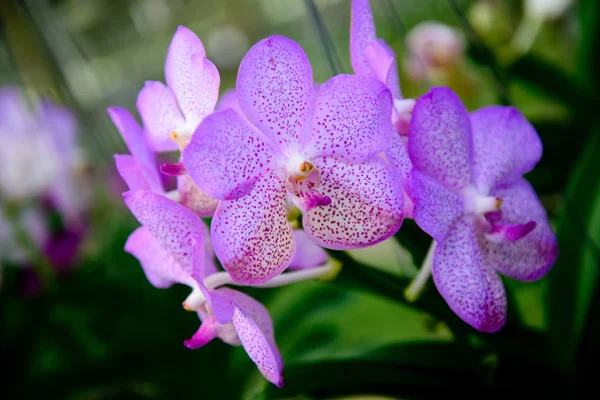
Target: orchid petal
398	157
195	199
62	124
382	60
274	89
131	171
226	156
366	205
308	254
229	100
362	33
351	121
209	329
439	142
471	288
251	235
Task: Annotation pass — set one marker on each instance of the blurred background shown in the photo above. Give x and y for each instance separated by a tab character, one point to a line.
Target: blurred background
79	320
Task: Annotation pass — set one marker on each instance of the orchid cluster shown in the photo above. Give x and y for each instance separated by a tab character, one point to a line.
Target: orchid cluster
351	156
41	164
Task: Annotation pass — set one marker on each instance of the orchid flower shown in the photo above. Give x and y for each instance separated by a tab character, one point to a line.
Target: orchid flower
372	57
470	196
320	147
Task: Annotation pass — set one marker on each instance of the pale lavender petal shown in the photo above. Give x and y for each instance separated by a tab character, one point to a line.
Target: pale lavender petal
366	205
160	267
362	33
251	235
14	113
308	254
160	114
229	100
439	143
175	226
398	157
382	60
208	330
505	146
274	89
436	208
131	172
195	199
254	327
531	257
61	122
226	156
352	119
472	289
65	196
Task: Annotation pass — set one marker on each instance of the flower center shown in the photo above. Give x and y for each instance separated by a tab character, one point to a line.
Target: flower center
478	204
303	178
183	135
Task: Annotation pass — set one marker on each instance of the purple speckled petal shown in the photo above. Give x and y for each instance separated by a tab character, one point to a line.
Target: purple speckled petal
254	327
531	257
436	208
505	146
160	268
274	89
131	172
362	33
382	60
175	226
366	205
161	116
472	289
226	156
308	254
439	143
195	199
352	119
251	235
398	157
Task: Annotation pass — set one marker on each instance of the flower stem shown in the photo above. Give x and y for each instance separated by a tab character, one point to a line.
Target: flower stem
413	291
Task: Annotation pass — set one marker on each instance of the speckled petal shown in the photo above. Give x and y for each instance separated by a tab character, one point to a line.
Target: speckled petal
160	114
176	227
251	235
398	157
274	89
308	254
382	60
505	146
195	199
436	207
160	268
254	327
362	33
131	171
531	257
352	119
366	205
226	156
439	143
472	289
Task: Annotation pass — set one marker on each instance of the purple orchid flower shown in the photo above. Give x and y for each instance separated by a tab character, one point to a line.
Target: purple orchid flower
372	57
173	247
470	196
321	147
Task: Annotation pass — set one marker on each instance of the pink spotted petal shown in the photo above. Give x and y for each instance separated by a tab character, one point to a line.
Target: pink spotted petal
160	268
195	199
362	33
505	146
160	114
176	227
131	171
209	329
226	156
469	285
352	119
254	327
251	235
382	60
366	205
530	257
308	254
436	209
398	157
274	89
439	143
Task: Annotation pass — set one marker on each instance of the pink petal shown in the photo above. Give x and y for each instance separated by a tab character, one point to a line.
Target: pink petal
176	227
436	208
160	114
308	254
254	327
352	119
274	89
366	205
531	257
160	268
131	172
469	285
176	169
229	100
505	146
226	156
194	198
362	33
398	157
511	233
208	330
439	142
251	235
382	60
